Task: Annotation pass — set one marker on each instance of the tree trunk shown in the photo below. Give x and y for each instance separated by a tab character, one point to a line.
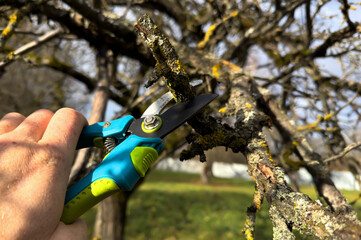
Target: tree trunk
206	173
111	217
99	105
111	214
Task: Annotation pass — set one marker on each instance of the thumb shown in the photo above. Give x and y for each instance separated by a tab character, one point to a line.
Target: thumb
76	231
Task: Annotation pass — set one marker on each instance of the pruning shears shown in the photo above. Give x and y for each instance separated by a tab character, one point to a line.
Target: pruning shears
133	145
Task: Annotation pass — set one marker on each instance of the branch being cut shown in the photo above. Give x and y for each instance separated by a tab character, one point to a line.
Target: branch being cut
168	64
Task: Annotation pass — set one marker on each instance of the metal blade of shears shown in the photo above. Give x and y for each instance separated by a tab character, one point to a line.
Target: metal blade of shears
156	107
173	117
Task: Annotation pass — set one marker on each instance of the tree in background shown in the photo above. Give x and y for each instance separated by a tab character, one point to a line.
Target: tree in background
290	65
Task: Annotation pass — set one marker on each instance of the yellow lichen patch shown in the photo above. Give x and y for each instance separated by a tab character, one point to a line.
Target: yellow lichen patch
269	154
248	105
176	67
258	201
179	65
215	70
254	179
232	66
222	110
296	144
11	56
313	126
6	31
207	36
266	150
328	116
310	126
217	67
232	15
12	20
330	129
248	233
14	17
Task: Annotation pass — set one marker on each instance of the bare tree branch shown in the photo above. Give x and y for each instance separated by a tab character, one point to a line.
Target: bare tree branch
347	149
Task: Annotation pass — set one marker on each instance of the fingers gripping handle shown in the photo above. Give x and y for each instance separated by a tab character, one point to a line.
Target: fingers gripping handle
120	170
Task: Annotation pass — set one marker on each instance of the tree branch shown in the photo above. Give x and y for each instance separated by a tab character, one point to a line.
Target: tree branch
9	30
168	64
347	149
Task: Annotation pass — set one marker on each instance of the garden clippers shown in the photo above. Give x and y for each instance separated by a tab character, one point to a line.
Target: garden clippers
133	145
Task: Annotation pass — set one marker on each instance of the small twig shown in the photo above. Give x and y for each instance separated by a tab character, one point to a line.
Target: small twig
347	149
313	126
9	30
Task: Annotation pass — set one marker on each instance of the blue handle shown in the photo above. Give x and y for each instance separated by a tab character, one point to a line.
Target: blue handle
115	128
120	170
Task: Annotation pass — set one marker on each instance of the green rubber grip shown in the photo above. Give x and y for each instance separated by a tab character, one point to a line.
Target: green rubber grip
143	158
86	199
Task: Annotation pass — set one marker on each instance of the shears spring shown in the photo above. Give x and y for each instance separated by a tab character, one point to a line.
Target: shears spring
109	144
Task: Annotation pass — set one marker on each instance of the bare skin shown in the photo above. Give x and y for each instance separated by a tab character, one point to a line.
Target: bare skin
35	159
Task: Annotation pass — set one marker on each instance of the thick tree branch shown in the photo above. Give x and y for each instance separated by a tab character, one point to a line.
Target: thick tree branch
120	42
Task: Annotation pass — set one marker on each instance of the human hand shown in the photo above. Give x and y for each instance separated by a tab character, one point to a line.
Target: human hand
36	155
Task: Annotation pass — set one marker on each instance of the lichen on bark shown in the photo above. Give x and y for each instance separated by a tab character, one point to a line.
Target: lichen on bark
168	64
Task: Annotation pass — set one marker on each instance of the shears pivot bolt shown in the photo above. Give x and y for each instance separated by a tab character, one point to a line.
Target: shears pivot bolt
151	122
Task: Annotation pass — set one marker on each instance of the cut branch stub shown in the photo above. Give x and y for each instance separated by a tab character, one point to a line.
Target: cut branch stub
168	64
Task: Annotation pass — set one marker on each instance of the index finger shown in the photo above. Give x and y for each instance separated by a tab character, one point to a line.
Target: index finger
64	129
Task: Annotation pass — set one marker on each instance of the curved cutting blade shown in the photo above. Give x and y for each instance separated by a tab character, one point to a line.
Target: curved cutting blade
173	117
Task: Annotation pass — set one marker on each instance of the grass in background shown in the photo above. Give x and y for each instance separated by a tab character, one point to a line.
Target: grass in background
172	205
